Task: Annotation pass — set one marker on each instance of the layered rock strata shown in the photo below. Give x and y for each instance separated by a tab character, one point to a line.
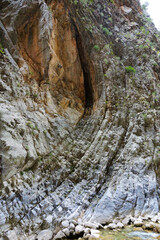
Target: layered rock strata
79	111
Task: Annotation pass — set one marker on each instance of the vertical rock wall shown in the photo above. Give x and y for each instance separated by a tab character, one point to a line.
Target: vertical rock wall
79	110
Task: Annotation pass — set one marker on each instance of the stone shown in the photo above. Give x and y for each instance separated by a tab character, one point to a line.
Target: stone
71	226
86	236
47	222
93	231
87	230
45	235
79	221
65	223
11	235
94	236
91	225
112	226
126	9
126	220
120	225
79	229
138	223
154	219
59	235
74	222
32	237
148	226
66	231
2	218
156	226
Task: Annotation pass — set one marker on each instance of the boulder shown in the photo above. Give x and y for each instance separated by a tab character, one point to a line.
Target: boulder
47	222
156	226
79	221
71	226
79	229
93	231
93	236
66	232
11	235
148	226
112	226
65	223
59	235
120	225
91	225
86	236
87	230
138	223
45	235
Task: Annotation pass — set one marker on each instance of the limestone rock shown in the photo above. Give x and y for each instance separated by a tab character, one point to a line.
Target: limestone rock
47	222
93	236
112	226
59	235
138	223
120	225
65	224
91	225
79	115
66	231
11	235
71	226
2	218
79	229
45	235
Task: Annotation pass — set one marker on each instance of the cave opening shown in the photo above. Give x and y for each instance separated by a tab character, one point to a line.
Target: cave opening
85	64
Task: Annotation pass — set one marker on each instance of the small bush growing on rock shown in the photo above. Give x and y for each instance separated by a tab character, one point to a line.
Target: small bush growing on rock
106	31
112	1
96	48
130	69
106	61
1	49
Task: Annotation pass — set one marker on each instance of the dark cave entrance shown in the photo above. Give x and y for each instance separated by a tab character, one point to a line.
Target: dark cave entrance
86	67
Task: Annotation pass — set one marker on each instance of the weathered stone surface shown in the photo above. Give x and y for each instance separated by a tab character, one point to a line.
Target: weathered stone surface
79	114
120	225
66	231
11	235
112	226
91	225
65	224
93	236
45	235
60	235
47	222
138	223
79	229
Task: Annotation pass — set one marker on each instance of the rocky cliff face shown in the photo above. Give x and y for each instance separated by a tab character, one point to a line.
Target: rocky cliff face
79	110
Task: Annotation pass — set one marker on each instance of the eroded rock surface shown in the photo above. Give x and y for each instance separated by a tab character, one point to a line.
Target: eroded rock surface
79	110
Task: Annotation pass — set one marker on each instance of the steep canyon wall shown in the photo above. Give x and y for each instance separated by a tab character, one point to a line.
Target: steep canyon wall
79	111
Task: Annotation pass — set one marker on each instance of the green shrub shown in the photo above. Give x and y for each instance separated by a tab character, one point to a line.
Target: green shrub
106	61
96	48
130	69
112	1
106	31
1	49
145	6
145	55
